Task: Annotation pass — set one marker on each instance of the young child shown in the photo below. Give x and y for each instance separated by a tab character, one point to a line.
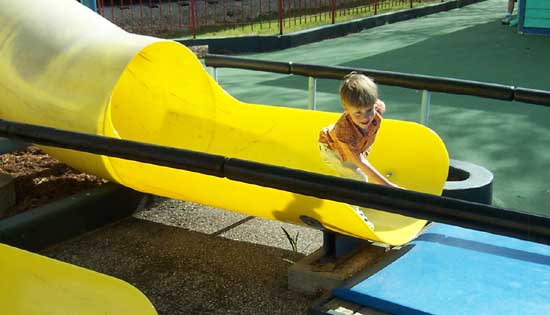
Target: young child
345	144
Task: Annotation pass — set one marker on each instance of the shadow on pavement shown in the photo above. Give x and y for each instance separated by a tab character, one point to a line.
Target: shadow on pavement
186	272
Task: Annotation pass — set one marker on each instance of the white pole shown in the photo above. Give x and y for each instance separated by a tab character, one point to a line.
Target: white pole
425	107
215	73
312	93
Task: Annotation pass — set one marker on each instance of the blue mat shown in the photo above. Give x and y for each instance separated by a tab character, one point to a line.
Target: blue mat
451	270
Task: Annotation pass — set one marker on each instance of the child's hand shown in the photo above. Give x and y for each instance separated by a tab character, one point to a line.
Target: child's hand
380	106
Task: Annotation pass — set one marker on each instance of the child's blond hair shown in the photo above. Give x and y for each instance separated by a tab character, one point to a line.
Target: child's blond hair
358	91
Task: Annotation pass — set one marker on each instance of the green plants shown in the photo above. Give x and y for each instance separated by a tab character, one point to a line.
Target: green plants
292	240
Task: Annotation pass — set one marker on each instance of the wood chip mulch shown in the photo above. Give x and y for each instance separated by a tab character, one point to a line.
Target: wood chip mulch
40	179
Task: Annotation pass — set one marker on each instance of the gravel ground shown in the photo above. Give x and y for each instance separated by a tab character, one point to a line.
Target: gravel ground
191	259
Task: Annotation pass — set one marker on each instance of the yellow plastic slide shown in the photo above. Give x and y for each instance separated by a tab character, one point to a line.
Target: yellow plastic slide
33	284
63	66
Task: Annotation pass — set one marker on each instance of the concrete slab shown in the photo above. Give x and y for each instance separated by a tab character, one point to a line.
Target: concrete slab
312	275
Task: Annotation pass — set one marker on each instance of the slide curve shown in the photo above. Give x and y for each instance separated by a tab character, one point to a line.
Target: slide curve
64	66
33	284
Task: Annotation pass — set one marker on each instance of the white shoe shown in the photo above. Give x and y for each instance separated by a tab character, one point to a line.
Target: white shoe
364	217
507	19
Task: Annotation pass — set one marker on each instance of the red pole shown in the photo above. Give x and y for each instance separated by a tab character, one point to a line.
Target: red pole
121	8
193	31
180	17
141	20
223	12
251	15
242	16
132	14
234	15
113	11
280	17
151	16
333	10
161	20
260	14
100	7
169	15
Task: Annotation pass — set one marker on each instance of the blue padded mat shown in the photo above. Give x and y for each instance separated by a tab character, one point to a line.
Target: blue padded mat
452	270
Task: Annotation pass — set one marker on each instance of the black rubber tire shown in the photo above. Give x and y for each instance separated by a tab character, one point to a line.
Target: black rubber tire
470	182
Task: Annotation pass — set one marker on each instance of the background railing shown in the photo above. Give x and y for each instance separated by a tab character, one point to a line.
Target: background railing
173	18
427	84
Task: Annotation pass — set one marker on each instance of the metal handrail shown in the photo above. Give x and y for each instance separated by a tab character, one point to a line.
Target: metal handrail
472	215
425	83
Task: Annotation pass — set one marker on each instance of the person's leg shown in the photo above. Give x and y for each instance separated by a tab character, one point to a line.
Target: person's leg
510	9
345	170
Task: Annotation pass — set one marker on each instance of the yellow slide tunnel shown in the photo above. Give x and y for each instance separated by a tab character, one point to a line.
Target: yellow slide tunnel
63	66
32	284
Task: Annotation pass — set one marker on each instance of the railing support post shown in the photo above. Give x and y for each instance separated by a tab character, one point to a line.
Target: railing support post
329	244
215	73
425	107
312	93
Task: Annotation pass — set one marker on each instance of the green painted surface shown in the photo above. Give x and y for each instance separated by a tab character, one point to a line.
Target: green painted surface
537	22
540	4
537	13
510	139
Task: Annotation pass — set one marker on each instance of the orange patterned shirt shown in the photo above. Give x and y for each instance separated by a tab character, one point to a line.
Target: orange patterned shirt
345	132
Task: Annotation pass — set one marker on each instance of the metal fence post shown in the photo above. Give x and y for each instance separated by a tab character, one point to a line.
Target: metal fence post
193	28
280	17
425	107
312	93
215	73
333	10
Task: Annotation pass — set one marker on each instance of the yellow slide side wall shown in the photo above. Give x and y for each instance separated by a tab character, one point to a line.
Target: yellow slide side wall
166	97
73	70
32	284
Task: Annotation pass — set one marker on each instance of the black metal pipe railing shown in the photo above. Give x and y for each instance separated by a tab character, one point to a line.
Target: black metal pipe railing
405	80
410	203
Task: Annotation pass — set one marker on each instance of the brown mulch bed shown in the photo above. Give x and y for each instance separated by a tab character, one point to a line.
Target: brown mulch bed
40	179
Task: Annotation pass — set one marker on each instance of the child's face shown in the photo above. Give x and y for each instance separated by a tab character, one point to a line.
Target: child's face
361	117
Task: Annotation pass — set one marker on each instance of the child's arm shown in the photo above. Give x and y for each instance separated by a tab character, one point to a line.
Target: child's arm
368	169
361	162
